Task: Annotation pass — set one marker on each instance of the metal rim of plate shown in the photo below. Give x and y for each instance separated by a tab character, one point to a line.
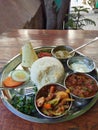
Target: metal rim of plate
11	65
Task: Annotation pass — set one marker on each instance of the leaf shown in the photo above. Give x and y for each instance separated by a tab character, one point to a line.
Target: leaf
89	21
77	19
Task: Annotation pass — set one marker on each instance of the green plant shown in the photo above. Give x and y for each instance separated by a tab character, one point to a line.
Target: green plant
77	19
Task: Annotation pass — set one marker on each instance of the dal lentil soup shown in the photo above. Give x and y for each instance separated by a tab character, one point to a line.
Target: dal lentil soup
81	85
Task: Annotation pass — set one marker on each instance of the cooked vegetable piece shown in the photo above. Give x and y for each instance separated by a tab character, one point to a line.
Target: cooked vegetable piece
54	101
62	94
52	89
10	83
67	90
47	106
51	93
40	101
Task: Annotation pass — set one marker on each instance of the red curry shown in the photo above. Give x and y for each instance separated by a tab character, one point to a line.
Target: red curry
81	85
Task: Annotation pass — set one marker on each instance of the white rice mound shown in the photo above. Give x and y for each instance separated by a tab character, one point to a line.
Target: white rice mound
46	70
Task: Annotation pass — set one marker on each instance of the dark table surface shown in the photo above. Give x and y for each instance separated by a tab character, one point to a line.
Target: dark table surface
10	45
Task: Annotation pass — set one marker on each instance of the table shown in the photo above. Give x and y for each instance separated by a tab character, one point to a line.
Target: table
10	45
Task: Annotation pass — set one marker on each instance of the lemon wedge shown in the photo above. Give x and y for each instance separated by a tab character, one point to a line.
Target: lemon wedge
20	75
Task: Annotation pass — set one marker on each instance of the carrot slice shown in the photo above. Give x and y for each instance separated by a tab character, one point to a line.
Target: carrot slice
47	106
10	83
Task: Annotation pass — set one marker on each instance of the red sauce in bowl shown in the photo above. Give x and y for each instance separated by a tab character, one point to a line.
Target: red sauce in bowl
81	85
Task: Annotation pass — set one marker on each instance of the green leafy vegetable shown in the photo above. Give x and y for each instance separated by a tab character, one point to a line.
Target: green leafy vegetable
24	104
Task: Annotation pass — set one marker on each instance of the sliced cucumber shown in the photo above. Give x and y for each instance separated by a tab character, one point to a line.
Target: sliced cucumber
20	75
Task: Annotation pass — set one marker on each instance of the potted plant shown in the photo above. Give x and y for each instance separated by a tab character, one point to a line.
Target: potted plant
77	19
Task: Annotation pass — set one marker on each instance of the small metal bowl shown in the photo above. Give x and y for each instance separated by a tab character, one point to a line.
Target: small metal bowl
81	64
82	86
45	93
62	52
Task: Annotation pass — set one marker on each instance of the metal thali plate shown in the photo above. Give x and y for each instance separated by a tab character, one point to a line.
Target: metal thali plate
78	108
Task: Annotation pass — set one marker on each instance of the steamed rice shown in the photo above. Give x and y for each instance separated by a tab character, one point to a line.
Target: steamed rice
46	70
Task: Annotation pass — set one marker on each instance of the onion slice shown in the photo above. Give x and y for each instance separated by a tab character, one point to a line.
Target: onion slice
20	75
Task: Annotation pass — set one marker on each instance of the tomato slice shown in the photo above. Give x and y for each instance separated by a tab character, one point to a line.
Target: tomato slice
43	54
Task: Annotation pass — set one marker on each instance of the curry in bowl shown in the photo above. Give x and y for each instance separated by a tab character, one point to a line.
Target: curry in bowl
81	85
53	100
62	52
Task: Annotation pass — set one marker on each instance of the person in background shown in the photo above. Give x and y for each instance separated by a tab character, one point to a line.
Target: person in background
51	15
